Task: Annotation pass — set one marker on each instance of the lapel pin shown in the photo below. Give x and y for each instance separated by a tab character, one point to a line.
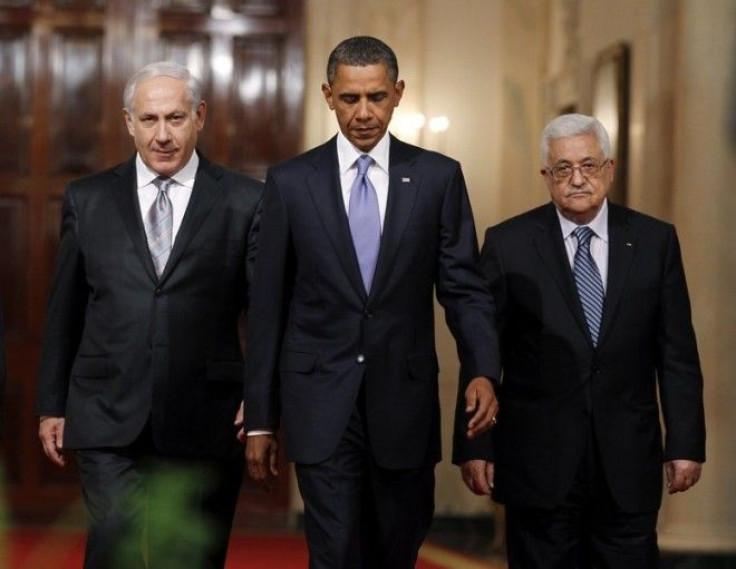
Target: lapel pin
406	180
628	244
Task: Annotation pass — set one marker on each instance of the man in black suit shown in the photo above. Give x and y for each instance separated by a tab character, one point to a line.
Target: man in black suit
2	371
341	353
577	454
142	369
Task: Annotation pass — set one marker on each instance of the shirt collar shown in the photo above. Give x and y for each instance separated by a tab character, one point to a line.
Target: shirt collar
347	154
184	177
599	225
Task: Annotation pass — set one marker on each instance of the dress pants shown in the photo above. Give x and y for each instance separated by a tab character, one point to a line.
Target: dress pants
150	512
359	515
587	531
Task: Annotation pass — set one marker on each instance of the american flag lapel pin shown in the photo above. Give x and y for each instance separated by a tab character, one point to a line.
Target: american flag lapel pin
405	180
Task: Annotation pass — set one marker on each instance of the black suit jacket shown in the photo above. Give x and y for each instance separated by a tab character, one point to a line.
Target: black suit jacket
314	334
2	371
122	345
557	386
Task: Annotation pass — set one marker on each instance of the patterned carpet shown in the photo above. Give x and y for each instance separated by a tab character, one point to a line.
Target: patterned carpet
64	549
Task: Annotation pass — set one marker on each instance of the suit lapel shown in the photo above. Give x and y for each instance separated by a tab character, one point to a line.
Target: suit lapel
125	195
403	185
551	250
324	189
205	192
621	248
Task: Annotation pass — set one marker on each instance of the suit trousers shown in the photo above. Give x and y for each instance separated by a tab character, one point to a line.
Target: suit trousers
587	531
146	511
359	515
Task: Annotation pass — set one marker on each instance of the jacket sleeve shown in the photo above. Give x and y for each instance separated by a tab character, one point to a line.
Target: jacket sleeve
65	316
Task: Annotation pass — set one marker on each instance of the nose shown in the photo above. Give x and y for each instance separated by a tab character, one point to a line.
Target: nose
362	111
162	132
577	178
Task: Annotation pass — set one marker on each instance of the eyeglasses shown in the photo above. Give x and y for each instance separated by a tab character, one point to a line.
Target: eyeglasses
564	172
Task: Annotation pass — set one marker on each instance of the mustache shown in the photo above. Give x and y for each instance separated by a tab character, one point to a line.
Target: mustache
584	191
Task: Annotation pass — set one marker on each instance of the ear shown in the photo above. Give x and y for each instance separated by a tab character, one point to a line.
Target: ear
399	90
327	92
128	122
199	115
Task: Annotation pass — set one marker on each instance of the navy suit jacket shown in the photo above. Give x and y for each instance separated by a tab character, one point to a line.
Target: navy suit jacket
557	388
121	345
314	335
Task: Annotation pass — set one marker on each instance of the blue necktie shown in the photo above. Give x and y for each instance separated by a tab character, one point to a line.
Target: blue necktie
158	224
588	282
365	221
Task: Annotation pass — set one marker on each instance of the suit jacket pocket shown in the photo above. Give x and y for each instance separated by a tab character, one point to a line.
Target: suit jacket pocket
297	362
90	366
423	365
225	370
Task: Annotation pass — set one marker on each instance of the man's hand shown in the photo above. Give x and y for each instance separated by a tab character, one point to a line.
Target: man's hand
478	476
682	475
261	457
51	433
239	418
480	399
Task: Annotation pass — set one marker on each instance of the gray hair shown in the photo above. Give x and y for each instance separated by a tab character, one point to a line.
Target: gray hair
163	69
360	51
574	125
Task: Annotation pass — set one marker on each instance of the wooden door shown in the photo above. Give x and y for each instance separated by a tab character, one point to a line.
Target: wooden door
63	66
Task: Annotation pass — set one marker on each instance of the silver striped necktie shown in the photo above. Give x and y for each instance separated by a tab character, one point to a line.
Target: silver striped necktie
159	222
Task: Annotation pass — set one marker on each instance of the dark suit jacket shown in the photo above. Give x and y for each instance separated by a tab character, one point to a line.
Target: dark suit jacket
2	371
556	385
314	335
120	345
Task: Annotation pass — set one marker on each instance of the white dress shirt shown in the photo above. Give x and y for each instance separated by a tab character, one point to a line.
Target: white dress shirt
598	243
179	191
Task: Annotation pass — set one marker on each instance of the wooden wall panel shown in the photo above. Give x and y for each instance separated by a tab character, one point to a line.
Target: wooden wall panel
260	7
16	3
256	104
14	219
15	95
76	101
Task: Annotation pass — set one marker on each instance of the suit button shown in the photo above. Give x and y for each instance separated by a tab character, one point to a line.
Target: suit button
368	314
157	292
360	359
596	370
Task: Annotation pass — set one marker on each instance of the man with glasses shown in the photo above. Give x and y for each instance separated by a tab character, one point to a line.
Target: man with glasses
594	322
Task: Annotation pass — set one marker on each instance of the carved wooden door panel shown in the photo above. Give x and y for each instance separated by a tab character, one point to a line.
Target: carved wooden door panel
63	66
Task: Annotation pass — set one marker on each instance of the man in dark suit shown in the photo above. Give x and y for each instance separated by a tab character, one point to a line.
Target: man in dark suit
591	336
2	371
341	353
141	371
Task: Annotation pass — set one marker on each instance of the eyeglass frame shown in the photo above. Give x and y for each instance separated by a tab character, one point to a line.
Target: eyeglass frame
588	176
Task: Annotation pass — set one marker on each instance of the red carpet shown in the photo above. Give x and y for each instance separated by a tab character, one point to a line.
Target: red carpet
31	549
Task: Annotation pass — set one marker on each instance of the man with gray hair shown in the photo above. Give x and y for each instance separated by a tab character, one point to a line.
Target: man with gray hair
595	329
141	371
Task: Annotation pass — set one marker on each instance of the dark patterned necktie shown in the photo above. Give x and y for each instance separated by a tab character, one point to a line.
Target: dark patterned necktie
365	221
159	222
588	282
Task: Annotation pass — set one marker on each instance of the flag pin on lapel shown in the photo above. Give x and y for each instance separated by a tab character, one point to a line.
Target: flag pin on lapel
406	180
628	244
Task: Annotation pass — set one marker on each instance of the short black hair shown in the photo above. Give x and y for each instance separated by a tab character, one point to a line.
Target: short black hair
361	51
